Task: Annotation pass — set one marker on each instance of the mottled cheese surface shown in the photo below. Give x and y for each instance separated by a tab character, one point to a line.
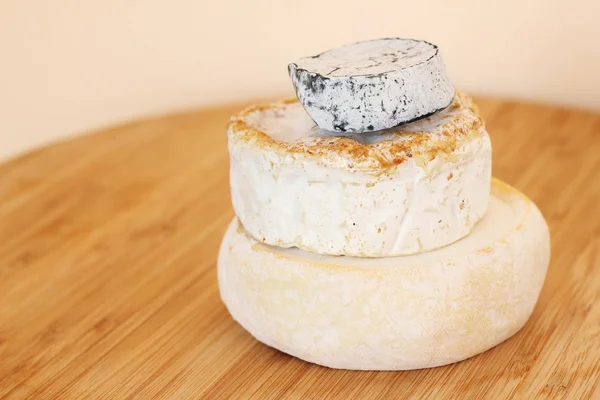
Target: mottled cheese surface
372	85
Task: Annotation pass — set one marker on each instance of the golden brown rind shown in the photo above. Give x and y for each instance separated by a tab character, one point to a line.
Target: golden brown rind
463	124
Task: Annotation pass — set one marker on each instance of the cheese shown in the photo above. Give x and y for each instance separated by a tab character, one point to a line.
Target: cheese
400	191
372	85
393	313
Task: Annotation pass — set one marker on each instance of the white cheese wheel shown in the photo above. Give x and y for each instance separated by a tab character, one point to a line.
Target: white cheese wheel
372	85
400	191
393	313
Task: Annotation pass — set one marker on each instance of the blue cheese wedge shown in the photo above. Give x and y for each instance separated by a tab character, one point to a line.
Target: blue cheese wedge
372	85
393	313
400	191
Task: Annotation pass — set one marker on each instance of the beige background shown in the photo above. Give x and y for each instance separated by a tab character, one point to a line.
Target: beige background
68	66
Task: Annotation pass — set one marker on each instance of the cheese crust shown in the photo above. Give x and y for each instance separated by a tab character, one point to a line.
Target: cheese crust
400	191
394	313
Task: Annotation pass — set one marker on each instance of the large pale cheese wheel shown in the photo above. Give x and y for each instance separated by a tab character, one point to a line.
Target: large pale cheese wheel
400	191
372	85
394	313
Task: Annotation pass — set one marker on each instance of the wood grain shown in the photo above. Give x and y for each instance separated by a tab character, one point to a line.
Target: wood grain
108	290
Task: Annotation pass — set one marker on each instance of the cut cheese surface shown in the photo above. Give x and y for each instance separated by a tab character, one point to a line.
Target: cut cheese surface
392	313
372	85
370	57
400	191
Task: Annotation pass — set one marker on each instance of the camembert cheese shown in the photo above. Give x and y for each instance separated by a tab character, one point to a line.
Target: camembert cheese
392	313
400	191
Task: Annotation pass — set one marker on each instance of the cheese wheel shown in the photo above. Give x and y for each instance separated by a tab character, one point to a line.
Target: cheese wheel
372	85
392	313
400	191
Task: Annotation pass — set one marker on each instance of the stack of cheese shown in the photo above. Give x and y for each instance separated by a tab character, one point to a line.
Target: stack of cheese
369	232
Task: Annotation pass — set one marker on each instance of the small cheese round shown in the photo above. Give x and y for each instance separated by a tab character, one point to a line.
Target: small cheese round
372	85
400	191
395	313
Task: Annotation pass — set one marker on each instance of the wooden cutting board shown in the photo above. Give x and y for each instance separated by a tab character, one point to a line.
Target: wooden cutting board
108	289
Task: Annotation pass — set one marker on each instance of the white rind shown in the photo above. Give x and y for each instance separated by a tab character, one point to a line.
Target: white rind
409	81
397	313
291	199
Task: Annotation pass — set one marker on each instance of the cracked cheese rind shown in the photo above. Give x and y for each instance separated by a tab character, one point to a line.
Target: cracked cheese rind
396	313
372	85
400	191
